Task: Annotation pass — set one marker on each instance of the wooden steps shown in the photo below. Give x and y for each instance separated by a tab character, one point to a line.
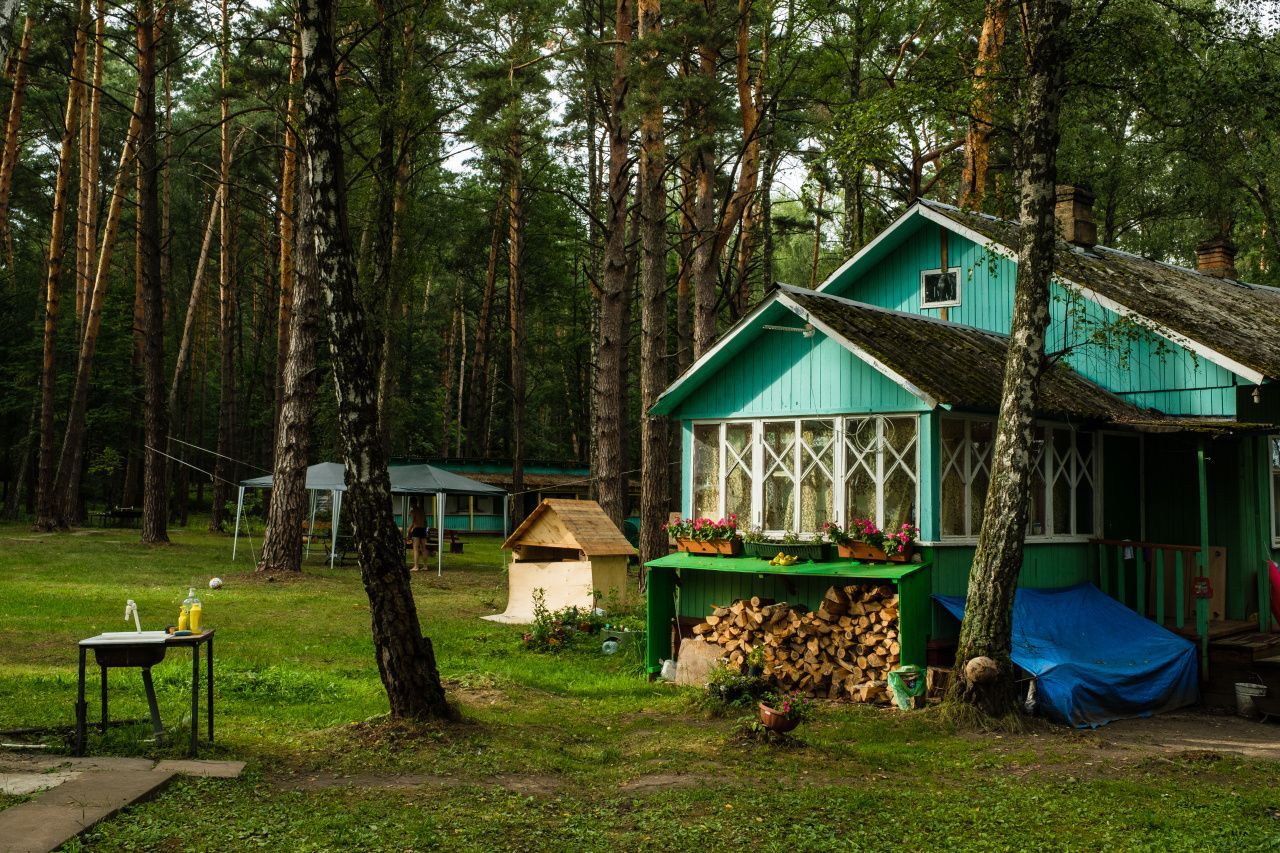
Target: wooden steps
1245	648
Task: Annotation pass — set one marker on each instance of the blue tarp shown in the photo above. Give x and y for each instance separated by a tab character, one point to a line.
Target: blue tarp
1094	659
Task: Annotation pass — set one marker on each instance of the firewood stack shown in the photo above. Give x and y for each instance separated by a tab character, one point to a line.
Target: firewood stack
843	650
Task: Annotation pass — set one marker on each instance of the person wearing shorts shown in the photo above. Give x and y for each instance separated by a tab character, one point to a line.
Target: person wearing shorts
417	532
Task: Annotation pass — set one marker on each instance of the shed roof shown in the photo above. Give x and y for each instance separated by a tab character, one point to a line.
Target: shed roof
565	523
950	363
1231	319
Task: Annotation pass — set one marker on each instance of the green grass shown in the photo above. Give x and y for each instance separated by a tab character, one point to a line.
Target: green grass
553	752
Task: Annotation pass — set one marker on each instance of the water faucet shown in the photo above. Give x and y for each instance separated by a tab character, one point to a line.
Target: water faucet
131	609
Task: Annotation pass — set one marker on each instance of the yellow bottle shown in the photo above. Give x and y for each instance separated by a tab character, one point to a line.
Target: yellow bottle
196	612
183	616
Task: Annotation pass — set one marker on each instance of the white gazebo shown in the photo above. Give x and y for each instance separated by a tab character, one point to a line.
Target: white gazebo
406	480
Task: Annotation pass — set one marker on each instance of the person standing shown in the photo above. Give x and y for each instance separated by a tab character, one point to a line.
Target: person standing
417	532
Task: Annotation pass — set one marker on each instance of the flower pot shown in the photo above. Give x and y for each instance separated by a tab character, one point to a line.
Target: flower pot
819	552
776	721
723	547
863	551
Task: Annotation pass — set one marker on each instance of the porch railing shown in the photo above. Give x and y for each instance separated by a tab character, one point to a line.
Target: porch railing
1137	574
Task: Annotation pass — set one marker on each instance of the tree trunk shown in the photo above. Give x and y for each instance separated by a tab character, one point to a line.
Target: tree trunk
705	273
610	342
477	386
743	205
193	302
993	577
8	14
46	501
684	276
405	658
155	495
282	543
977	148
288	199
9	158
224	467
654	369
384	213
67	482
515	318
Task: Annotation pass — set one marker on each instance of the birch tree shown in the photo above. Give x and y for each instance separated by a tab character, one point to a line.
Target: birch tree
988	620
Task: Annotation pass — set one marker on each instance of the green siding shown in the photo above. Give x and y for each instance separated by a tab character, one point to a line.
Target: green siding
1137	364
1047	565
986	279
786	374
1144	368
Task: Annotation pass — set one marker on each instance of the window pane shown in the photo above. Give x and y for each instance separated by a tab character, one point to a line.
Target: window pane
1036	516
1084	483
1060	446
953	486
779	479
900	472
940	287
706	470
737	478
817	466
982	441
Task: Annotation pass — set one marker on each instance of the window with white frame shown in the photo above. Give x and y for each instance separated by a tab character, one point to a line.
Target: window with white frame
1275	490
940	288
1063	478
798	473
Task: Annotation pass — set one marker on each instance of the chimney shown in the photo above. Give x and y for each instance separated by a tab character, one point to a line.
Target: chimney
1217	257
1074	212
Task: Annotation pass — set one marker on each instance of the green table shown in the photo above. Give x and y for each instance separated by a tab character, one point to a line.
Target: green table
702	580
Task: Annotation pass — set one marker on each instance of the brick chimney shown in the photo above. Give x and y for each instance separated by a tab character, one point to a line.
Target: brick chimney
1217	257
1074	213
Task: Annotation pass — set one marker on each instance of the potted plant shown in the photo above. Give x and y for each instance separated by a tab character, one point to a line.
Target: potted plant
783	713
704	536
863	540
757	544
755	661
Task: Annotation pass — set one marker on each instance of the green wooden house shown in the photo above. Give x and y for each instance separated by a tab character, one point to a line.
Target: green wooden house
874	395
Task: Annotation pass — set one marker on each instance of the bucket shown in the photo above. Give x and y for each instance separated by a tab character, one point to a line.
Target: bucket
1245	694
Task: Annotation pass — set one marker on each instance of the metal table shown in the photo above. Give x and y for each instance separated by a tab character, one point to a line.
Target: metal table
144	650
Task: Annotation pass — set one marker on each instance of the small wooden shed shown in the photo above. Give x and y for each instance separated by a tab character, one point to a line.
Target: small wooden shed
572	552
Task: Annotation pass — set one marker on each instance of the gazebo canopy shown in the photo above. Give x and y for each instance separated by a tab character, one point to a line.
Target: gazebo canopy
420	479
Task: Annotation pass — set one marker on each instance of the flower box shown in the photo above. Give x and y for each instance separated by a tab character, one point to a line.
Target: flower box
723	547
863	551
818	552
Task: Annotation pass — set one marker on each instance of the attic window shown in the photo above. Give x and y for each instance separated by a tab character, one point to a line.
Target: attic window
940	289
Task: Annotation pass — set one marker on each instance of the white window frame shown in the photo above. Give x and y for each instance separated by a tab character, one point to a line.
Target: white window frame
946	303
1047	460
801	459
1274	470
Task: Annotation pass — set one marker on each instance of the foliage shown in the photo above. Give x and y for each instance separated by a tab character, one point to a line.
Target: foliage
729	691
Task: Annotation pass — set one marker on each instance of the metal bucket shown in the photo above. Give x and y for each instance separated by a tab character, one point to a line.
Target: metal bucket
1246	692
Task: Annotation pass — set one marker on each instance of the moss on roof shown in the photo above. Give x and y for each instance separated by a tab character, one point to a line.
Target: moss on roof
957	365
1238	320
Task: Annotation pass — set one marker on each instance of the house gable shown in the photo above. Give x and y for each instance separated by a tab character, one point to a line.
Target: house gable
1147	369
786	374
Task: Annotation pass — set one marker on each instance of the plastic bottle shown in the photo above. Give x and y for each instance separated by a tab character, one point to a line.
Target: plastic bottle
184	615
195	609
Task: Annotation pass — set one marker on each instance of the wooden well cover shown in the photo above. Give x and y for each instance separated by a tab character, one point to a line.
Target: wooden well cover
565	523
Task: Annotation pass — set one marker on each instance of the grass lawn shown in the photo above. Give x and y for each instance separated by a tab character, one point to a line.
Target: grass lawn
573	751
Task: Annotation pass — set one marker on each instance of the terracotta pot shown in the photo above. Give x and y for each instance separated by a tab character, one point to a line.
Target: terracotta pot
724	547
863	551
776	721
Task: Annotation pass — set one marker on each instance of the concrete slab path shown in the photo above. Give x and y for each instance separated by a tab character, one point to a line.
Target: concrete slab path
80	792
